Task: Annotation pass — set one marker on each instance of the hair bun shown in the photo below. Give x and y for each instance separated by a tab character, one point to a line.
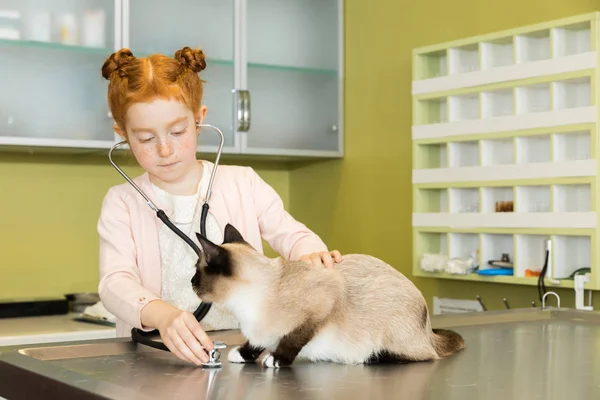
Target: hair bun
116	63
191	58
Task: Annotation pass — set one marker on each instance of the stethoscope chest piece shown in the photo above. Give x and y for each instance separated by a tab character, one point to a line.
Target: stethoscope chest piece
214	355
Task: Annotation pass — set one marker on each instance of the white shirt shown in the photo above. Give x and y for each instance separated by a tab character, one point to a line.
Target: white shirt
178	259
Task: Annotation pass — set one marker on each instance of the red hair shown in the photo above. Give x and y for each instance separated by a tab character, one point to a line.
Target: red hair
144	79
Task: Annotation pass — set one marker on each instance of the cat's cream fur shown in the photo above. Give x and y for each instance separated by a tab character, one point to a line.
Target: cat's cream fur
360	311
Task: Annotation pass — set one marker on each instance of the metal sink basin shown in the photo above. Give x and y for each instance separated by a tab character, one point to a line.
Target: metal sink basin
109	348
516	354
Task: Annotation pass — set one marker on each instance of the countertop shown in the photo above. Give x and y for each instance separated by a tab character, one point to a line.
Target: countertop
45	329
514	354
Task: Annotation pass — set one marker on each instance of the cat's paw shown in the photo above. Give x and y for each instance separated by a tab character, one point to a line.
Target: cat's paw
270	362
235	356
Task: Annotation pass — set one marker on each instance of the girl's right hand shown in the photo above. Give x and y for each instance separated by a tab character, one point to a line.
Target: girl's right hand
180	331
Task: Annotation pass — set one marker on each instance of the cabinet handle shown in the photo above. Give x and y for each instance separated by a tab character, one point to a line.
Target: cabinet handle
246	113
242	98
239	108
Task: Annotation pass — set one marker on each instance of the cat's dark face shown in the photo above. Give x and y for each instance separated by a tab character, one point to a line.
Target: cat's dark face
216	269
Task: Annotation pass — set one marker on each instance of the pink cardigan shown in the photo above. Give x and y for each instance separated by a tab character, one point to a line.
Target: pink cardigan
130	272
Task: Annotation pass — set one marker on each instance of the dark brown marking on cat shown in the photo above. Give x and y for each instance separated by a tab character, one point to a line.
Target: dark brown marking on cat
388	357
218	259
250	353
290	345
232	235
447	342
424	317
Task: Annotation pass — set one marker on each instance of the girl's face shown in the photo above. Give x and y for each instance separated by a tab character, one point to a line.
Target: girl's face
163	137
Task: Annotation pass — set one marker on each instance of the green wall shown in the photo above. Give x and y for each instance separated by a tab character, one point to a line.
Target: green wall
49	210
363	203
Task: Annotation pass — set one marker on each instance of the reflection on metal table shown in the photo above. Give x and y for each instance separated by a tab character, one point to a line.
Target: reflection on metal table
513	354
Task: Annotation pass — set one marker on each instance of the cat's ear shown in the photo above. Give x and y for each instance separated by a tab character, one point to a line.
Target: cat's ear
211	250
232	235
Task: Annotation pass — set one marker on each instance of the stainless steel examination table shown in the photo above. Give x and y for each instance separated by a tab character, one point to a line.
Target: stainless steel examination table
513	354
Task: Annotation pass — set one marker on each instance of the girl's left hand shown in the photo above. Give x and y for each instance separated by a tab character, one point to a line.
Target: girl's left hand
323	257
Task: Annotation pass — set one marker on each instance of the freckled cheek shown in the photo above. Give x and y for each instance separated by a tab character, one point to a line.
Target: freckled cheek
188	145
145	155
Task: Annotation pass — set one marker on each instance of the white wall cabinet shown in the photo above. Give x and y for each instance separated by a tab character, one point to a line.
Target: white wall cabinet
274	76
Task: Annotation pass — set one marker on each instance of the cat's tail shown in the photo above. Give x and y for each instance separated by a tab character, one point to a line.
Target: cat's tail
447	342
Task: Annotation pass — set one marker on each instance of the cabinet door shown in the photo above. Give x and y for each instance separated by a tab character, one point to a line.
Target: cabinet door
157	26
293	51
53	93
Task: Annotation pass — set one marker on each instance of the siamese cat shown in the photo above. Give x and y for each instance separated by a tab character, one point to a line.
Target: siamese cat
360	311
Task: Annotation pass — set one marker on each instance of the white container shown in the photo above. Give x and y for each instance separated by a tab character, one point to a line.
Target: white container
10	24
39	27
67	29
94	28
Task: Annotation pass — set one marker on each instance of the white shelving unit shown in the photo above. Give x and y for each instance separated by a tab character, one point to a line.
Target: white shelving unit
505	139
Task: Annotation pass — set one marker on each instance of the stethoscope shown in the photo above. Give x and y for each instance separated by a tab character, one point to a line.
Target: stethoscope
137	335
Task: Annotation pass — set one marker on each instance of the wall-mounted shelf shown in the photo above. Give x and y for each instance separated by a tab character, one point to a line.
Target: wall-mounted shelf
505	145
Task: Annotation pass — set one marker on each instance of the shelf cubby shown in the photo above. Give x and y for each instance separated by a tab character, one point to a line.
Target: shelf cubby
494	197
533	46
570	254
533	149
432	156
497	103
433	111
432	200
433	65
533	98
572	93
572	39
572	146
497	151
531	253
463	107
432	242
464	59
497	53
493	246
533	199
463	154
464	200
573	198
463	245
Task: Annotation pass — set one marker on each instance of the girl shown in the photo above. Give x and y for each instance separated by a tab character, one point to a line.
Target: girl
145	268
